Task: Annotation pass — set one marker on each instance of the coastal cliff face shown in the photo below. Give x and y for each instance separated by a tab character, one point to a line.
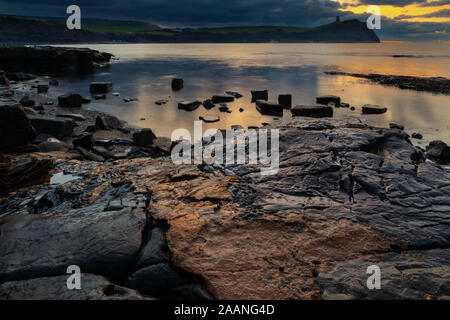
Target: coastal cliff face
16	30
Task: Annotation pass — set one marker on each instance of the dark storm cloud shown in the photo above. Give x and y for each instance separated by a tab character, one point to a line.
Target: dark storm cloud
191	12
435	3
397	3
199	13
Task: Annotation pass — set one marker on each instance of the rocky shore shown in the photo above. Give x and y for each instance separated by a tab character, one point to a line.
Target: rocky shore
437	84
82	188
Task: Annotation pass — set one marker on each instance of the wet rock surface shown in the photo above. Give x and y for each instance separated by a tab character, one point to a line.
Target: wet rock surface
15	128
346	196
54	59
55	288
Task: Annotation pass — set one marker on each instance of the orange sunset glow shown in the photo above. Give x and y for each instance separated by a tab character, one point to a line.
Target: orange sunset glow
412	13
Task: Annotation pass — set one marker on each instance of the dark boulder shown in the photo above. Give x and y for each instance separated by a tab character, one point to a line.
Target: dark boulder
42	88
85	141
103	152
70	100
208	104
417	136
90	155
189	105
396	126
107	122
234	94
53	82
161	102
222	99
100	87
155	251
54	127
285	100
177	84
159	279
259	95
4	81
439	150
144	137
15	128
312	111
224	108
269	108
373	109
327	99
27	102
53	144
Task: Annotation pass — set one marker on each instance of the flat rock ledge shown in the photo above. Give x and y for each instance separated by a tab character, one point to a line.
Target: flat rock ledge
37	59
346	196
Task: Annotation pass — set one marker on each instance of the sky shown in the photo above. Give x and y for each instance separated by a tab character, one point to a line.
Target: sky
401	19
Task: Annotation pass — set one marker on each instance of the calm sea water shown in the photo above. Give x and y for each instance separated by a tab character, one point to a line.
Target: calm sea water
144	71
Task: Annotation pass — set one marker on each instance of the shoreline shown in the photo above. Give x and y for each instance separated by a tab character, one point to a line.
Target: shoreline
347	195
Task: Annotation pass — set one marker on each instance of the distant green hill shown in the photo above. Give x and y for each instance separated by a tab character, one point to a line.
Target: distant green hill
35	30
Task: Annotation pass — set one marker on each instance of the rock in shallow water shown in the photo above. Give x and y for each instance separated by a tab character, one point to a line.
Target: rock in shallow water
312	111
70	100
269	108
373	109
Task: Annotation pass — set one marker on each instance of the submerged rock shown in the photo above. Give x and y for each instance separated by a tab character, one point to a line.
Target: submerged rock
439	150
224	107
161	102
208	104
312	111
396	126
177	84
285	100
222	99
260	95
189	105
234	94
70	100
42	88
327	99
417	136
269	108
101	87
373	109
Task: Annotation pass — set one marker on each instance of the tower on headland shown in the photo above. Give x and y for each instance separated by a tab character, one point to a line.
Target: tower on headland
338	19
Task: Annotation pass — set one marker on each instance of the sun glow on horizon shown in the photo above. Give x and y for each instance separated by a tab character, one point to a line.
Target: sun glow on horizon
411	13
